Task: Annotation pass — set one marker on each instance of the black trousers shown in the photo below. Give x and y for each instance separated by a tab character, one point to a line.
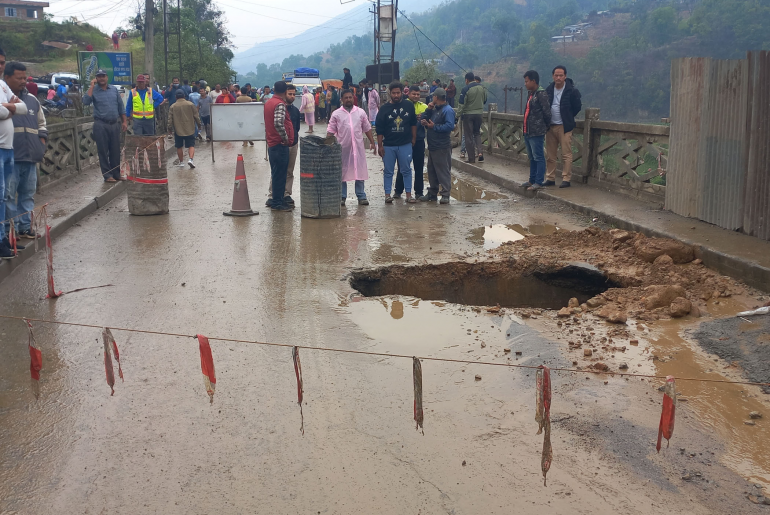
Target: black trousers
107	138
418	162
279	167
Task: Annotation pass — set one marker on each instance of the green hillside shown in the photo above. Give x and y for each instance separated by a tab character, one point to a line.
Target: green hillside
622	67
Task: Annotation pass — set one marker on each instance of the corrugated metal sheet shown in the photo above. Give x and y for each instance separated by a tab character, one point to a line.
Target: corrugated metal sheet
688	88
723	145
756	214
719	162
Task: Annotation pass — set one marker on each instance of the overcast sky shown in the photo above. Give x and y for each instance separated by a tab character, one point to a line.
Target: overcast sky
249	22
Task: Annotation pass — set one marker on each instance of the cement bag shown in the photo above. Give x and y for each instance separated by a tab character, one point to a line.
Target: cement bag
320	177
144	163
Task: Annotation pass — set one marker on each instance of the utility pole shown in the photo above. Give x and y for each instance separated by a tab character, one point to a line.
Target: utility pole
165	42
385	37
149	40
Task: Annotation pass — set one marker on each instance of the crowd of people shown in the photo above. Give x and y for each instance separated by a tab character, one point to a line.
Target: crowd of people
403	124
23	141
399	130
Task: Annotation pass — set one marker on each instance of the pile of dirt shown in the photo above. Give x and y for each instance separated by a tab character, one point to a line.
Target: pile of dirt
658	277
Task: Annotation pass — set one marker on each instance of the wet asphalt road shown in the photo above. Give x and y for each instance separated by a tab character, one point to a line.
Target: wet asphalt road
158	446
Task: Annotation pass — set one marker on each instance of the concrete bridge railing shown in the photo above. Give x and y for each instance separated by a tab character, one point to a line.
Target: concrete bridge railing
630	158
71	147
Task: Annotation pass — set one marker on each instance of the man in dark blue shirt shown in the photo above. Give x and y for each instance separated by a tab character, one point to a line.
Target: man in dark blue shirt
109	112
171	92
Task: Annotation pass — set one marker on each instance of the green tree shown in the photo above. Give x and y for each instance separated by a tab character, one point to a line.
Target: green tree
508	29
205	44
660	26
465	54
421	70
730	28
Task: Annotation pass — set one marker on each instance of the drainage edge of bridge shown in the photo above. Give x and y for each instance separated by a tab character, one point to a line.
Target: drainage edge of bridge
753	274
60	228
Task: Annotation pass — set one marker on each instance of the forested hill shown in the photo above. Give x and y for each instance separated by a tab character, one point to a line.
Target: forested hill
621	63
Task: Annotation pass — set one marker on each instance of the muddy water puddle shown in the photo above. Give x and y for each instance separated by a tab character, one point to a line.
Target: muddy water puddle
465	191
724	407
492	236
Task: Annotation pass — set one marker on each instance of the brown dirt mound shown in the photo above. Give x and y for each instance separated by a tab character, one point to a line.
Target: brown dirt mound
650	284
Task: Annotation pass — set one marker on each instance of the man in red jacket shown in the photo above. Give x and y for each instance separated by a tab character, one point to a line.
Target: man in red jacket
280	137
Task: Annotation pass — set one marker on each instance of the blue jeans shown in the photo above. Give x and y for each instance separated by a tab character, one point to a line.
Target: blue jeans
279	166
403	155
536	154
6	171
360	193
22	181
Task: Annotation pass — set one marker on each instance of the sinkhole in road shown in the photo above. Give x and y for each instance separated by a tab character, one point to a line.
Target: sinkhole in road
486	284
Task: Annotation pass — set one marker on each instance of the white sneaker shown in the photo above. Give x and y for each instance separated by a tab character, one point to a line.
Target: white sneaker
180	165
190	162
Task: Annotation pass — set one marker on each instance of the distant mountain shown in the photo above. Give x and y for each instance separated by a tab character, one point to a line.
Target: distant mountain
356	22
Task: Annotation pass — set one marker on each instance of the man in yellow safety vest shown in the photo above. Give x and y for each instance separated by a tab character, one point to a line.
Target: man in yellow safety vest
141	107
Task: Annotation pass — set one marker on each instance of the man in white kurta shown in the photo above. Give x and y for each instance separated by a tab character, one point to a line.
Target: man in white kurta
349	124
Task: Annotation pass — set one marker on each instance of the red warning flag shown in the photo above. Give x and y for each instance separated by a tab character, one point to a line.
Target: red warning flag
417	376
300	390
666	427
109	372
109	340
35	361
543	416
207	366
115	351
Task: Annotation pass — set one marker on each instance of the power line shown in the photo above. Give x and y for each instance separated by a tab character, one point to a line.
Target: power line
434	44
272	17
239	56
383	354
418	45
289	10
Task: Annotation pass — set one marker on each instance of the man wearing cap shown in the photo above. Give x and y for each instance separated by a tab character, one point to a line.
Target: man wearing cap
142	107
108	110
182	119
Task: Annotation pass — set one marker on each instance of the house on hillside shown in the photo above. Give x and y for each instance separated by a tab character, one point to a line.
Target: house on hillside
22	10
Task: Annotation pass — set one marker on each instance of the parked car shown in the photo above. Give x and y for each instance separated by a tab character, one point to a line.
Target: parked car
52	80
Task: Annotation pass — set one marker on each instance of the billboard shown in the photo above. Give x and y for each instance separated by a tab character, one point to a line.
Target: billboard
117	65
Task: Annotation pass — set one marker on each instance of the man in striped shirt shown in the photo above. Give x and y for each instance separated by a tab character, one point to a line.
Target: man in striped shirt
280	137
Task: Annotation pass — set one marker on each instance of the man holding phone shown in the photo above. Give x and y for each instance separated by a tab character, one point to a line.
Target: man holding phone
108	109
439	122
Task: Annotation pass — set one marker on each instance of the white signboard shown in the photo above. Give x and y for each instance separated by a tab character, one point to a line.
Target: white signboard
238	122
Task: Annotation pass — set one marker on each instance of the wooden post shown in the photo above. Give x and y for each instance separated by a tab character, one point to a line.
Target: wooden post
490	127
590	144
76	140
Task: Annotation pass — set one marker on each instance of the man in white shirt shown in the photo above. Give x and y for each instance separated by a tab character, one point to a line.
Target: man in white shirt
565	105
214	94
10	105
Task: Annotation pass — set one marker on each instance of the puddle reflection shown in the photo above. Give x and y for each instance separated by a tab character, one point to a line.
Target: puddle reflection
492	236
723	406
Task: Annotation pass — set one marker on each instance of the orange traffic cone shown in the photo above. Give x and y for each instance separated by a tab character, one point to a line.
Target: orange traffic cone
241	204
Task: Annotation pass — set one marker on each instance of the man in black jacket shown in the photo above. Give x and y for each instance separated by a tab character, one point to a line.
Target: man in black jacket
347	80
537	119
565	102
